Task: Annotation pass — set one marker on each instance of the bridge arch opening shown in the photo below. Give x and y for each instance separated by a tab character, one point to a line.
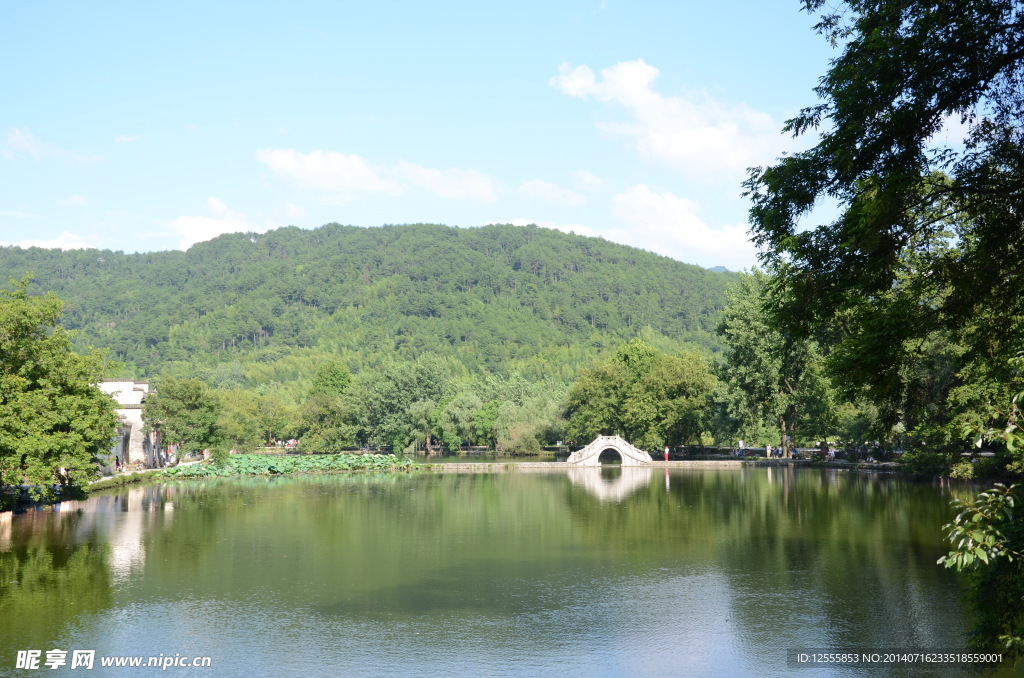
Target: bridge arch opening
598	451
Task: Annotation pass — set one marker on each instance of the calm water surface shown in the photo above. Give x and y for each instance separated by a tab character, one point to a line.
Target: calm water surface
594	572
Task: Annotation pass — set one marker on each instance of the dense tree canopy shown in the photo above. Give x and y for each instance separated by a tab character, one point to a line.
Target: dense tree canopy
327	419
922	146
54	420
651	398
273	307
185	412
773	384
324	334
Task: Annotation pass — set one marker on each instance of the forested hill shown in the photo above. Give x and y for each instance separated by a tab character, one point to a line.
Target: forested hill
494	297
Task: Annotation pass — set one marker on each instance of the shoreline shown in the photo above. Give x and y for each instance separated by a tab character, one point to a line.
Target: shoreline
517	466
149	475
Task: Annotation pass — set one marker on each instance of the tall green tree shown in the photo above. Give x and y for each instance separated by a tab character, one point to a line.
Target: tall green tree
671	402
326	424
773	381
395	404
524	424
485	424
595	400
326	418
238	420
650	398
332	379
456	419
54	420
272	416
921	143
185	412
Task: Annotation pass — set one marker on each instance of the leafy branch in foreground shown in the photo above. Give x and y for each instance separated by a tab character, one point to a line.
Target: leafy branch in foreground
988	543
977	529
1009	432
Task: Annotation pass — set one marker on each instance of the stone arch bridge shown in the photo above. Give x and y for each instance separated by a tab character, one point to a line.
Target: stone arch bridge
591	454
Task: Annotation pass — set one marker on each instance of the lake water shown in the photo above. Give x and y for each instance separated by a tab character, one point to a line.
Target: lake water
595	572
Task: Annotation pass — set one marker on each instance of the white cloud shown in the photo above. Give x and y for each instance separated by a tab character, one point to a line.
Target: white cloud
64	241
669	225
453	183
292	211
73	200
19	215
577	82
352	174
222	220
328	170
695	134
289	215
551	193
586	181
22	141
666	224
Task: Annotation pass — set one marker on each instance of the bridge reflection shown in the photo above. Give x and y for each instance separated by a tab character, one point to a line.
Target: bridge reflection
630	480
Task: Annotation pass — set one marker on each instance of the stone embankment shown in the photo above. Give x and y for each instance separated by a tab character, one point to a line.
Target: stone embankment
517	466
522	466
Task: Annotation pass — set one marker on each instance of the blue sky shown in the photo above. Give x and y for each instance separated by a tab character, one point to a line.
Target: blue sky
152	126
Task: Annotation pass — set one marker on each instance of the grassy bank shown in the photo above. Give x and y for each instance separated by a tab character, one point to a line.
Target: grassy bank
121	480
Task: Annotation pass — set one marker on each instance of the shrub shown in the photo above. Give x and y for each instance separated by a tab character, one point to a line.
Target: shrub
926	464
962	469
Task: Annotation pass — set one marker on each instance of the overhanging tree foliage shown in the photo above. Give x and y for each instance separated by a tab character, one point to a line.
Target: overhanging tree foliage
53	418
921	143
922	146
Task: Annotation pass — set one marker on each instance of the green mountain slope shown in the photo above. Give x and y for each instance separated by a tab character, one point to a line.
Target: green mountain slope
250	307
